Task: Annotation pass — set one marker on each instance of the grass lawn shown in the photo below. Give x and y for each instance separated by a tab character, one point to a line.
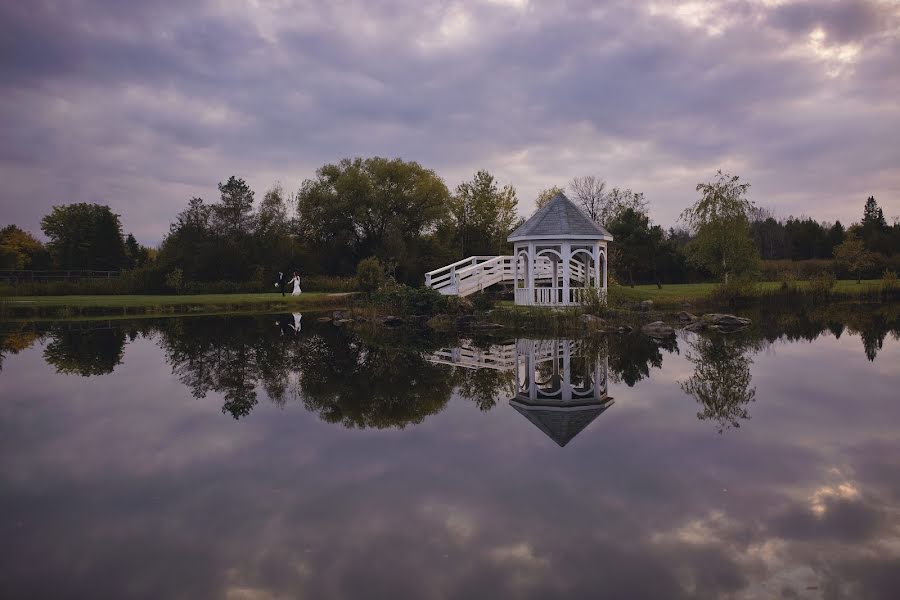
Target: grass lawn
69	306
677	292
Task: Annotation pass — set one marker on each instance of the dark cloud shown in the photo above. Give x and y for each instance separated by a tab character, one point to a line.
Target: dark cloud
143	106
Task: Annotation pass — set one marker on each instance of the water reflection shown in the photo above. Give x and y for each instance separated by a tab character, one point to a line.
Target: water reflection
721	378
436	484
560	386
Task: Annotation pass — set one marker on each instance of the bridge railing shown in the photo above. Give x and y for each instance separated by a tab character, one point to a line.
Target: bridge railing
444	279
484	274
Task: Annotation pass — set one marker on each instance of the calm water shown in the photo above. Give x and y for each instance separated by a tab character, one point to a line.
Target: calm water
239	458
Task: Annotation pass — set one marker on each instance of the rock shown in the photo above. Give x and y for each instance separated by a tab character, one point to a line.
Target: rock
340	322
591	321
392	321
488	326
657	329
625	329
696	326
440	323
324	319
686	317
361	319
646	305
465	321
338	314
725	322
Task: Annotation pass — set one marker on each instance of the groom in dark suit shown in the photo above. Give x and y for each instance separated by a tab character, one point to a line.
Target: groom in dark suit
281	281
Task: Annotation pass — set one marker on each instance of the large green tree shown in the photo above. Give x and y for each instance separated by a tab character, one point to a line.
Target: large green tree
853	255
371	207
720	220
638	244
484	214
233	215
85	236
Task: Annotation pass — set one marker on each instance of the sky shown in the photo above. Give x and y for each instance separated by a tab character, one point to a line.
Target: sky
143	105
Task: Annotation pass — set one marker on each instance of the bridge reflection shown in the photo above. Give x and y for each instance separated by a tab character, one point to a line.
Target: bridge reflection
561	385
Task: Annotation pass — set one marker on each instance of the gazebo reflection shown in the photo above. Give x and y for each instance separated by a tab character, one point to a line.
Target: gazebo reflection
561	388
560	385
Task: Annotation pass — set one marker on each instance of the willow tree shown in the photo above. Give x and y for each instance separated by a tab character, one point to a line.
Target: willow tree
720	220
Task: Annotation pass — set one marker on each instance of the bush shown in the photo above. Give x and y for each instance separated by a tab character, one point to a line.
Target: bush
483	301
175	280
822	283
370	276
412	301
737	288
889	281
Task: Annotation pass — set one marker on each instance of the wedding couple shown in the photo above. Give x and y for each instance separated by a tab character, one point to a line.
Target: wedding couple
281	283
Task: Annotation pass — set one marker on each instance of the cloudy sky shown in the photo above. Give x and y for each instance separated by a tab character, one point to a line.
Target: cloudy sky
141	106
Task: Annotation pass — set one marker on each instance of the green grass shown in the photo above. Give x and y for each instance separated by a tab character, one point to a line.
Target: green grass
691	292
112	305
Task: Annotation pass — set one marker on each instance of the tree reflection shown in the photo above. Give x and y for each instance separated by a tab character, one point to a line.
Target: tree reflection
484	387
85	350
721	379
632	356
370	383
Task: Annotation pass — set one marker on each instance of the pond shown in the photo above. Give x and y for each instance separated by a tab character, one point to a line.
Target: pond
278	457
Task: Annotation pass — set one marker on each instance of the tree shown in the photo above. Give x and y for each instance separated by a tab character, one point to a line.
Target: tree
233	216
720	221
137	255
484	214
20	250
589	192
84	236
372	207
637	243
547	195
853	255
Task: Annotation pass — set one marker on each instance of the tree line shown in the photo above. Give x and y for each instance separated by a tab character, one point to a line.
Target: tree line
406	217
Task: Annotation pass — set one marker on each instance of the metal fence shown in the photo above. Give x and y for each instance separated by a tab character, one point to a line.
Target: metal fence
27	276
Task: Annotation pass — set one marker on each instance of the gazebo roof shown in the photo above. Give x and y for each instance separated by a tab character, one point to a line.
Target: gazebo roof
563	423
559	219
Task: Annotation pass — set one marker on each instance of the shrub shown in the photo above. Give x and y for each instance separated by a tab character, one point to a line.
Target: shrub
370	276
411	301
889	281
483	301
822	283
175	280
737	288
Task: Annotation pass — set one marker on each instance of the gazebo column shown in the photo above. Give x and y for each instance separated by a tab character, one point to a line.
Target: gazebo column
605	265
529	279
566	387
595	254
566	257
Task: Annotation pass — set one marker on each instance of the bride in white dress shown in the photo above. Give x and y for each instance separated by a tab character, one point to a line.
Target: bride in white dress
296	281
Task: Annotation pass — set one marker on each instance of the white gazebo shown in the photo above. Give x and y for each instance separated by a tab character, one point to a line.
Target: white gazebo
560	257
559	254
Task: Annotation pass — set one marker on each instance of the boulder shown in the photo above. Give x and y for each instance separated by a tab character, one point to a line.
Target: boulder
440	323
487	326
465	321
341	322
696	326
625	329
686	317
338	314
591	321
646	305
324	319
392	321
723	321
657	329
